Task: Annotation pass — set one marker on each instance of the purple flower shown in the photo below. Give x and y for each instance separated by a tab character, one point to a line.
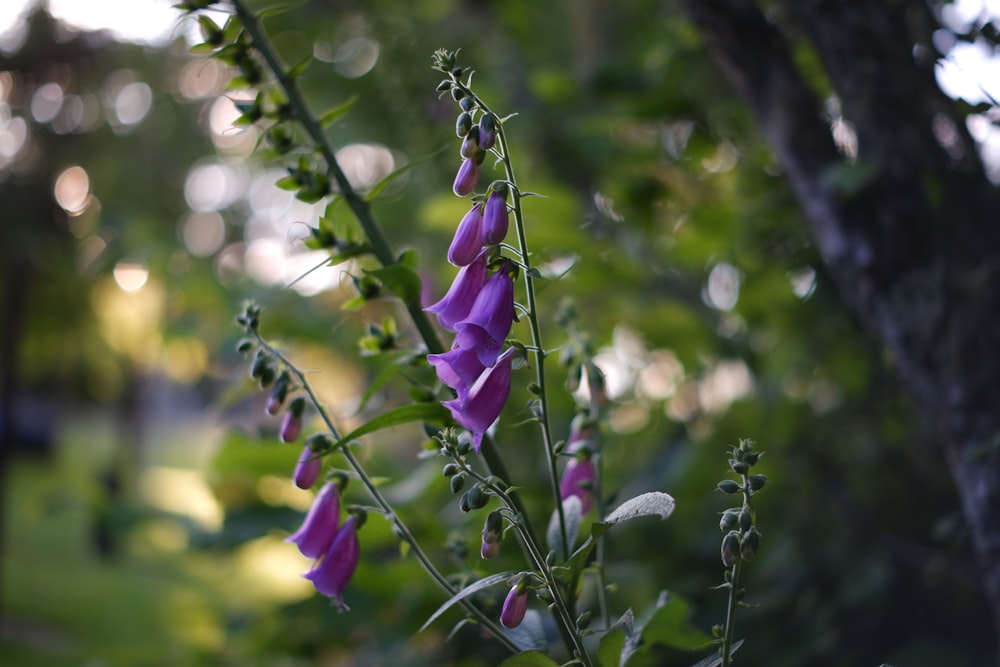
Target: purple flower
485	399
307	469
487	131
470	145
580	476
331	574
514	607
466	178
467	243
492	535
321	523
461	296
495	216
458	369
291	426
488	322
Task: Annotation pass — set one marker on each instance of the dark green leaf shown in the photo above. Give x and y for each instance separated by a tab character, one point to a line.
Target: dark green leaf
385	182
472	588
529	659
401	281
609	652
428	412
331	116
648	504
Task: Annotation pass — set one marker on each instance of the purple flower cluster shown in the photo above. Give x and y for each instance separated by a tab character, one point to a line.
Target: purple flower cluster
580	475
479	306
333	547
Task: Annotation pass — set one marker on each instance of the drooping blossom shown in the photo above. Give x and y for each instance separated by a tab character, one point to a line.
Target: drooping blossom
487	324
467	243
467	177
470	144
291	426
307	469
492	535
458	369
461	296
580	476
495	216
485	399
514	607
487	131
331	574
321	524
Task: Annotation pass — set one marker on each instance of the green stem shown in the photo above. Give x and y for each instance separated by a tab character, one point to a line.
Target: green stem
734	590
401	529
380	247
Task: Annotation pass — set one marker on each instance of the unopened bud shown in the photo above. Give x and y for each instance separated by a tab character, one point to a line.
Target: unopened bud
457	483
749	544
729	486
757	482
730	548
463	124
746	521
291	426
729	520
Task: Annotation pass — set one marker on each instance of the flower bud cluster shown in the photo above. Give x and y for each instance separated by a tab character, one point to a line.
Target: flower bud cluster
579	478
741	539
479	306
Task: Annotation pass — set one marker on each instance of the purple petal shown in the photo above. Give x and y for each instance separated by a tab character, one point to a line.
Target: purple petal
330	575
467	243
457	303
320	526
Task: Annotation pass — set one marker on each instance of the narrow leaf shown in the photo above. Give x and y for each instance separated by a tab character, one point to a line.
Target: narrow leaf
274	10
385	182
714	660
609	651
648	504
300	67
530	659
471	589
428	412
571	514
395	365
400	280
530	635
331	116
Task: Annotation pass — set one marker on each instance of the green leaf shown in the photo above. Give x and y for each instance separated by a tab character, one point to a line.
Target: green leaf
609	651
428	412
274	10
648	504
714	660
300	67
472	588
670	625
529	659
400	280
385	182
331	116
395	365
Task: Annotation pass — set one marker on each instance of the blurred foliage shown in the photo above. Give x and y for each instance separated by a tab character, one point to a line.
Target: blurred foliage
692	272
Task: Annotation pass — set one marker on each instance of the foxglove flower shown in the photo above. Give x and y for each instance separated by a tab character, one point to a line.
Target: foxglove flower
495	216
467	177
492	535
331	574
486	326
307	469
461	296
514	607
458	369
321	523
487	131
291	426
467	243
580	476
470	145
485	399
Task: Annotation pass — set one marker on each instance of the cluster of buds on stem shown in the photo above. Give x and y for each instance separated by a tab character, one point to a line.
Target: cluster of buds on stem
479	306
742	539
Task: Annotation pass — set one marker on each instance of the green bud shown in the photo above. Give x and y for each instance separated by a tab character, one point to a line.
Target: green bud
463	124
746	521
749	544
443	86
474	499
319	443
457	94
456	72
752	457
729	486
739	467
730	551
451	470
457	483
583	620
244	345
757	482
467	104
260	362
729	519
297	406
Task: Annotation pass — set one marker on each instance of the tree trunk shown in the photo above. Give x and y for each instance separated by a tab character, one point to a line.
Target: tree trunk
908	229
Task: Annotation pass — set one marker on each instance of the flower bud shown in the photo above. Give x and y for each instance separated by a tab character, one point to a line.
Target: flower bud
470	145
730	548
757	482
495	215
729	486
467	242
463	124
487	131
466	178
291	426
279	393
749	544
729	519
746	521
467	104
739	467
457	483
307	469
514	607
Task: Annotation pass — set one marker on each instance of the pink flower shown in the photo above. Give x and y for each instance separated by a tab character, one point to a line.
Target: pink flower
321	523
514	607
331	574
307	469
495	216
461	296
458	369
466	178
467	243
485	399
485	328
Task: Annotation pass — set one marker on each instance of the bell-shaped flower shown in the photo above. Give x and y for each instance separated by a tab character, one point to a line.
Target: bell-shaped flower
495	216
470	145
331	574
485	399
492	535
514	607
580	476
321	523
307	469
468	240
487	131
467	177
461	296
458	369
488	322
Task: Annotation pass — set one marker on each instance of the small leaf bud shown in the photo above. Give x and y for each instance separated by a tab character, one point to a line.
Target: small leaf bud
752	457
583	620
244	345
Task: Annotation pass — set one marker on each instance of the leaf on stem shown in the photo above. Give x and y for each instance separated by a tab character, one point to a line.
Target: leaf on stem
571	513
471	589
715	660
380	187
609	651
530	659
428	412
331	116
401	281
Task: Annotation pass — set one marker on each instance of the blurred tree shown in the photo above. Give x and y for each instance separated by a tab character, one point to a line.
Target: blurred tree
905	223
